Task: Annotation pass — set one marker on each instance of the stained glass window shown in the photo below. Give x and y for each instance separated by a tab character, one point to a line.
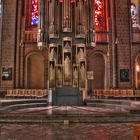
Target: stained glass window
135	13
99	13
34	16
0	7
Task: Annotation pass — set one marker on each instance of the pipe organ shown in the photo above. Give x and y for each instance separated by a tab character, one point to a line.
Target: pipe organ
42	26
67	16
53	18
66	28
80	20
90	24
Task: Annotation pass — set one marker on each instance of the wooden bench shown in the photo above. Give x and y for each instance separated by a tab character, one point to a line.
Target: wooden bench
27	93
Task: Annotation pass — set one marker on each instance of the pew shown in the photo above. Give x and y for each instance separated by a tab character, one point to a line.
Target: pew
27	93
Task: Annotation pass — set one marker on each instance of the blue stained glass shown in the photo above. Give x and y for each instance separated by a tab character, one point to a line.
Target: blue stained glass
34	16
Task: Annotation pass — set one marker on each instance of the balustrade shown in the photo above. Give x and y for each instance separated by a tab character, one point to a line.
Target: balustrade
30	36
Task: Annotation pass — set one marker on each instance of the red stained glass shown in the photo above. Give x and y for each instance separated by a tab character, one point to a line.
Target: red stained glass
99	13
34	16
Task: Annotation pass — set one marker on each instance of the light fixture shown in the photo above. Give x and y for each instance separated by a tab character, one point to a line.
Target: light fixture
138	68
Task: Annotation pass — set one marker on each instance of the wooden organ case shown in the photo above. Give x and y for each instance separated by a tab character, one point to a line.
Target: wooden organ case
66	29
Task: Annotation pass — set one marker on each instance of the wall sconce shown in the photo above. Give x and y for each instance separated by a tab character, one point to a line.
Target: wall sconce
138	68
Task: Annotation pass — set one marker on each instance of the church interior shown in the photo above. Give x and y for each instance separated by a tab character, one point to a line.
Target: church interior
79	44
71	53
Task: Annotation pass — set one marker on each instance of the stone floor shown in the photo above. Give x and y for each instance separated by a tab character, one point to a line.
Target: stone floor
67	132
72	131
70	110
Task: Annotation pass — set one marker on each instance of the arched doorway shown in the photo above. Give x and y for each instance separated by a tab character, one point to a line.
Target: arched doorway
138	72
35	71
98	65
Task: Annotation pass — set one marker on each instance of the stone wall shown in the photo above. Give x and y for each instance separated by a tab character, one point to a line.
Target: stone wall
123	44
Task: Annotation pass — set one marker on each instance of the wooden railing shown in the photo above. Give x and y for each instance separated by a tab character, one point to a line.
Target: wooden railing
27	93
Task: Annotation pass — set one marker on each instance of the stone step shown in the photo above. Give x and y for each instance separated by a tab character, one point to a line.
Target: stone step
135	104
22	106
68	91
119	102
8	102
67	96
111	106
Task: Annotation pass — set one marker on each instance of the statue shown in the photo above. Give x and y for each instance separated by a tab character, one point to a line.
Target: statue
59	76
81	53
67	69
67	45
51	75
75	77
52	54
82	75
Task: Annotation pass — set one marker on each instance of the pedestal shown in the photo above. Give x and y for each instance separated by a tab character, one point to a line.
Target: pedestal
50	97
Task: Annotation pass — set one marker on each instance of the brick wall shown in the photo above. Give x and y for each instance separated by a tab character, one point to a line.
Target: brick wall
123	36
8	39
